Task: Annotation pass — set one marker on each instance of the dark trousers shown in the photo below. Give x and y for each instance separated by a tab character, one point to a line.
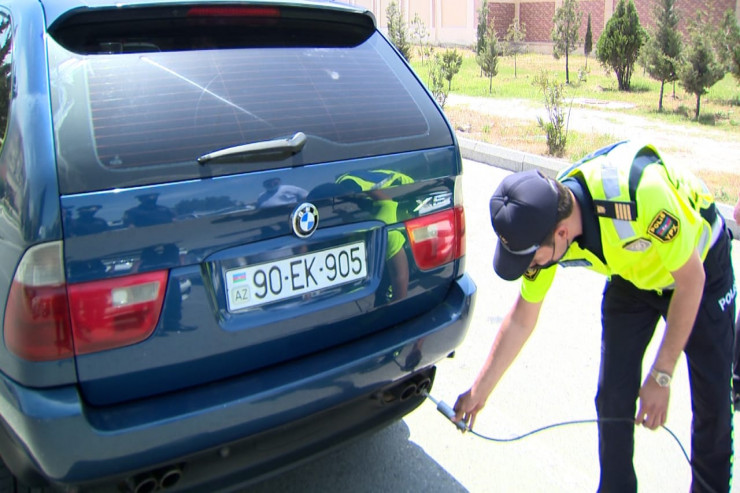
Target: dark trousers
736	364
629	317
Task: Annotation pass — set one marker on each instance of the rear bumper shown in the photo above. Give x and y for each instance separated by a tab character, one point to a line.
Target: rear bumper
237	429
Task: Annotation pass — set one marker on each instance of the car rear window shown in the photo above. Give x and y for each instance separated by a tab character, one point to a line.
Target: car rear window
138	102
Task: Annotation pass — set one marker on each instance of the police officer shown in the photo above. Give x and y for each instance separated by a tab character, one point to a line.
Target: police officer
654	231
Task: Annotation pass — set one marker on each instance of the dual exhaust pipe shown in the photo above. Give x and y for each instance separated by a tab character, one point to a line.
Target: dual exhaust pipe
158	480
416	385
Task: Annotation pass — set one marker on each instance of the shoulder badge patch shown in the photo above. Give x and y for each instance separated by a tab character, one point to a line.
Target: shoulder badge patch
664	226
531	274
638	245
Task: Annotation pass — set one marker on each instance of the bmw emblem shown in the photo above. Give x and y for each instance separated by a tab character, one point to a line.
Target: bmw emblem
305	220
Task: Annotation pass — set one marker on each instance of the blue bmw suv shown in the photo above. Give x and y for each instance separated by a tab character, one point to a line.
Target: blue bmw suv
231	236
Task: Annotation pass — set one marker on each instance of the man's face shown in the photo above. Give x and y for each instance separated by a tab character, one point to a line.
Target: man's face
550	254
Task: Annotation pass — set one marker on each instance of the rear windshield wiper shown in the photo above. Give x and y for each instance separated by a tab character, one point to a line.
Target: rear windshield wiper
278	148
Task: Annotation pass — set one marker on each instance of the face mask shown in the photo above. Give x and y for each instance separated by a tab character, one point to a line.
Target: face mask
553	260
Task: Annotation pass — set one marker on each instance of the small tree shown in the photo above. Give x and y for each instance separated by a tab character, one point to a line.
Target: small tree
556	129
488	58
515	36
727	41
663	49
482	28
566	23
702	70
451	63
419	35
588	42
620	43
437	85
397	30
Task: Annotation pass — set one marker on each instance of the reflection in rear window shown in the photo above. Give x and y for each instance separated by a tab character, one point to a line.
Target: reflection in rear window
153	114
162	108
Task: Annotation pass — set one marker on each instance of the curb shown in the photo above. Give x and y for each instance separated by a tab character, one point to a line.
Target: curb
515	161
509	159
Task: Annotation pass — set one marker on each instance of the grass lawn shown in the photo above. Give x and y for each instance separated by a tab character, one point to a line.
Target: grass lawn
720	107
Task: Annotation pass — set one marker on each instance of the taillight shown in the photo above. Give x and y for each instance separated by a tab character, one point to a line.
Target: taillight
438	238
36	322
46	319
115	312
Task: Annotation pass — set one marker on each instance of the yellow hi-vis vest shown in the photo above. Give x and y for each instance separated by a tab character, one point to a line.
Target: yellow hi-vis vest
647	231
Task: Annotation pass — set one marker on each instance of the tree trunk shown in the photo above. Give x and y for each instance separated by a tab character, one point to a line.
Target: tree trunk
660	101
698	106
567	79
620	83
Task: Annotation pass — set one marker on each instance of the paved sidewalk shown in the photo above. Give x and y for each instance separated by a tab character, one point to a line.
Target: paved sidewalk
696	147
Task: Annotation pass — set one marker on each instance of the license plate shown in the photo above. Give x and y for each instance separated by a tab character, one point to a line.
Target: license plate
251	286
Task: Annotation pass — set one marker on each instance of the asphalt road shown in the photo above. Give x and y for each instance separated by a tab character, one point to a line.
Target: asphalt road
553	380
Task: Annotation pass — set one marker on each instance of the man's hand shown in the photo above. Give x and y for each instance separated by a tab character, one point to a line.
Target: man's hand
653	411
689	285
467	407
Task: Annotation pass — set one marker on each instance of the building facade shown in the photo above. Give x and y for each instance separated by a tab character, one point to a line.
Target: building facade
455	21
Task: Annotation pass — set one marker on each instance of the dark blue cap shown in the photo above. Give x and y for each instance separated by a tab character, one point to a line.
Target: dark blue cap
524	211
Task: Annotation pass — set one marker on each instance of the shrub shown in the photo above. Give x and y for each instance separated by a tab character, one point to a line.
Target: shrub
437	85
620	43
450	62
556	129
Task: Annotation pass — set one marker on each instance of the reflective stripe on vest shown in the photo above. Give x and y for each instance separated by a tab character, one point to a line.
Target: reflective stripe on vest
610	183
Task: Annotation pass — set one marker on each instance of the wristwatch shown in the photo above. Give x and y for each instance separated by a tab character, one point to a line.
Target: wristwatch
663	379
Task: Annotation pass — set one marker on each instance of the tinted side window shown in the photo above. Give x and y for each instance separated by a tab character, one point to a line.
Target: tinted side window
6	58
